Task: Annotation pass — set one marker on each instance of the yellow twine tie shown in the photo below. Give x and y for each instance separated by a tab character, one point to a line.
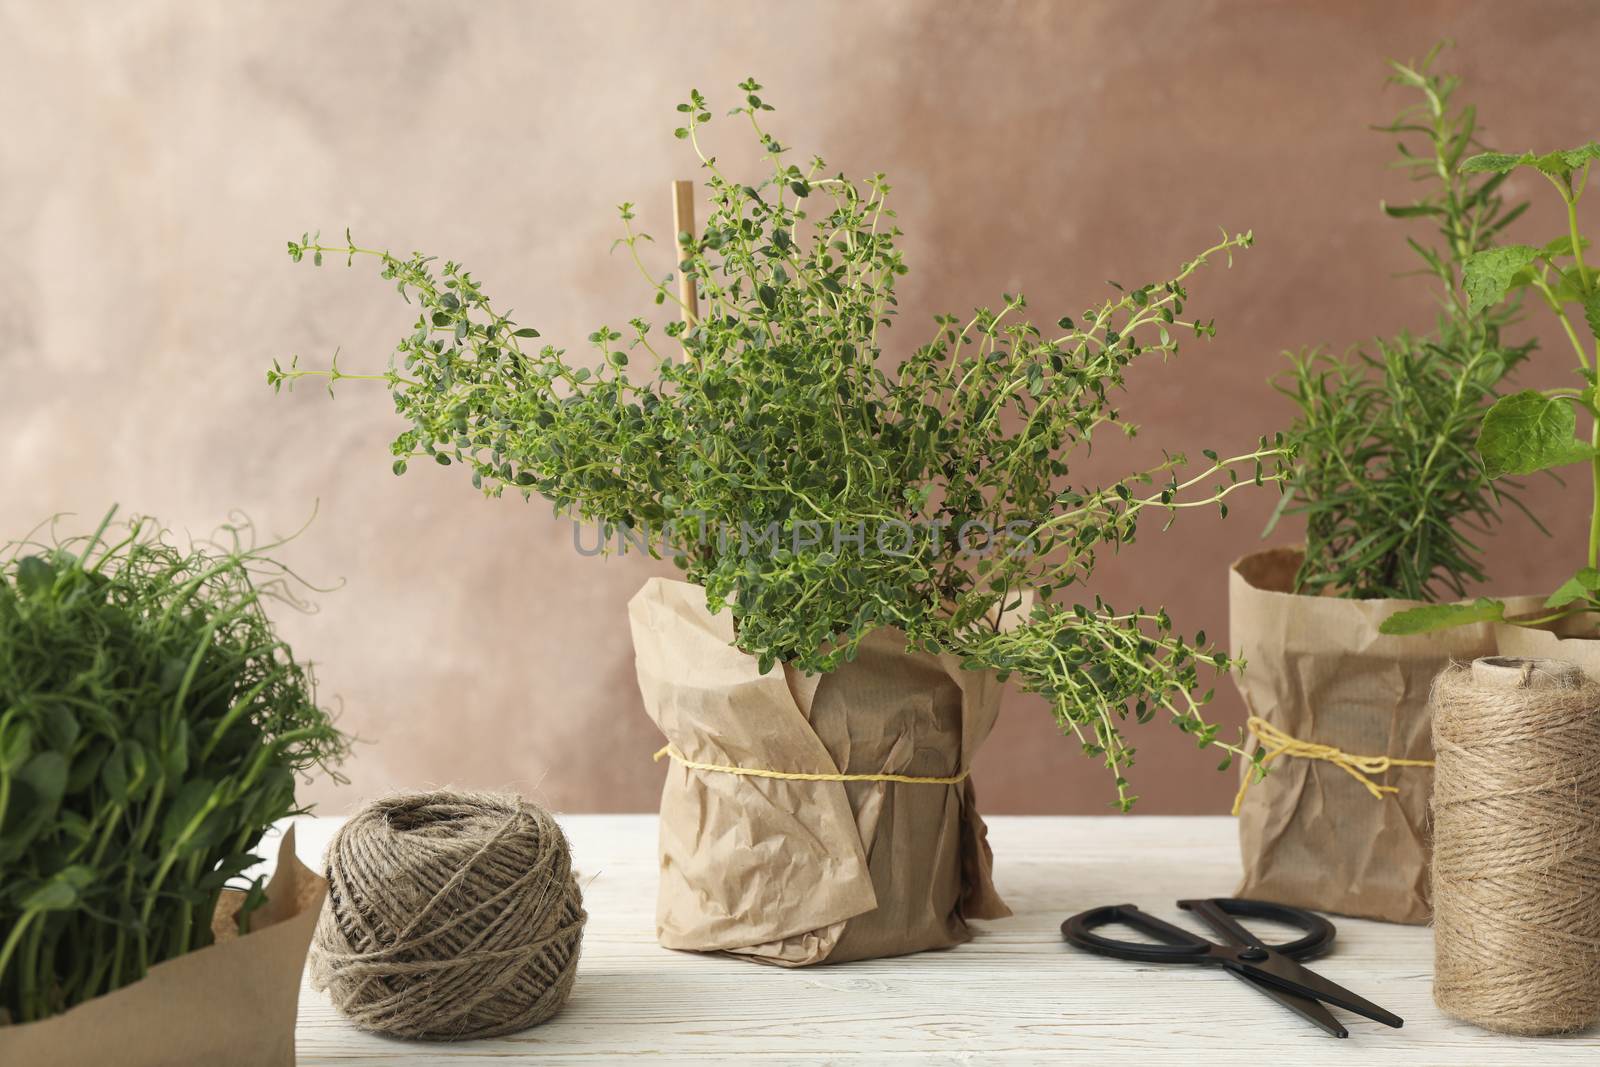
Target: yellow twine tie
791	776
1277	743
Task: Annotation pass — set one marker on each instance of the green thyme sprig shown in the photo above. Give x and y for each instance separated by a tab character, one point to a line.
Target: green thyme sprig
151	726
778	409
1388	475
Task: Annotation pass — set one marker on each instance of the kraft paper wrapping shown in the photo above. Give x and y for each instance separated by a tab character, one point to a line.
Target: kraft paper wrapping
230	1004
797	872
1556	642
1317	668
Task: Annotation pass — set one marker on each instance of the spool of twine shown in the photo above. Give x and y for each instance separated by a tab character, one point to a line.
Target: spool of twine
449	916
1516	852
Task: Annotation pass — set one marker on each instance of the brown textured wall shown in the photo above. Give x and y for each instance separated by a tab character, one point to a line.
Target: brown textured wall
156	156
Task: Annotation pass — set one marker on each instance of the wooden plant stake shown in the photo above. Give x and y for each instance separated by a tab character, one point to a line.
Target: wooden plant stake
683	222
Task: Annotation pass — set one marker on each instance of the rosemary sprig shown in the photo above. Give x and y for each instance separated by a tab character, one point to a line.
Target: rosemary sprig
1388	475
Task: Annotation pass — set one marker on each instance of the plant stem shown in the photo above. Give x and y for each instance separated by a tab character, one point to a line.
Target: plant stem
1577	242
1566	323
15	937
1594	474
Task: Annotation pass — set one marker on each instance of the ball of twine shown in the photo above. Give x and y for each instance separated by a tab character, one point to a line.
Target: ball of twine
449	916
1516	852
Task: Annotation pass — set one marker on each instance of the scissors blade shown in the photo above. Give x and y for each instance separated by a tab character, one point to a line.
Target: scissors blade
1284	973
1305	1007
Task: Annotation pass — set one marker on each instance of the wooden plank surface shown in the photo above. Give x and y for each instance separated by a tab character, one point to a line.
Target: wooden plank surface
1015	994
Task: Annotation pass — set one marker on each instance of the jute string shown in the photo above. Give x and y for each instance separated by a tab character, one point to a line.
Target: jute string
669	751
1516	851
1276	743
449	916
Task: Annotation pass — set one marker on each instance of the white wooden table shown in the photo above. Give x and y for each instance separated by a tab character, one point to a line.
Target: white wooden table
1016	993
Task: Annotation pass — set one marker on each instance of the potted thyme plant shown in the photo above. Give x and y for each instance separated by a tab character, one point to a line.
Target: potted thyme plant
870	543
1394	495
1537	430
151	727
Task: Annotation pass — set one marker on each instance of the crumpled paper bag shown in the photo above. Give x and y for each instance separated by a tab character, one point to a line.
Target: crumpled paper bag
801	872
230	1004
1317	668
1571	640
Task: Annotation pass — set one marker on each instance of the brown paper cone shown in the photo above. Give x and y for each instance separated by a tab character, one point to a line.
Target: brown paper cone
797	872
230	1004
1318	669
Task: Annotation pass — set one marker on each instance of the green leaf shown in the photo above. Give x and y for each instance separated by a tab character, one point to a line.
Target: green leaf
46	775
1581	586
1492	162
186	806
1529	432
1410	211
62	891
58	726
138	766
1558	164
1561	164
1442	617
1568	287
114	775
16	742
1562	246
85	768
1591	312
34	575
35	799
1488	275
226	868
175	754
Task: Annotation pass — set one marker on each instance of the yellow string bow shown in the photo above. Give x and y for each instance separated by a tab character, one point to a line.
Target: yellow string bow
753	772
1277	743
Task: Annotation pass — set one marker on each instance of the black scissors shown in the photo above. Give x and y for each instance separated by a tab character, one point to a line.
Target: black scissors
1269	968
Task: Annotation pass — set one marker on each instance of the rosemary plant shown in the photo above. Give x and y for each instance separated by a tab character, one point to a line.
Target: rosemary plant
813	491
151	724
1536	430
1388	474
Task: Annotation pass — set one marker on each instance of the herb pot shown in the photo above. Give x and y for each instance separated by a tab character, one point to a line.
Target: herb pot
232	1002
792	866
1312	833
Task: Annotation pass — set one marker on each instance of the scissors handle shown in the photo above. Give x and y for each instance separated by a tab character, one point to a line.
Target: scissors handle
1179	945
1219	914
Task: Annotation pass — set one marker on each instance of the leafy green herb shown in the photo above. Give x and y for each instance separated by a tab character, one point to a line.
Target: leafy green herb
814	488
151	724
1534	431
1388	476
